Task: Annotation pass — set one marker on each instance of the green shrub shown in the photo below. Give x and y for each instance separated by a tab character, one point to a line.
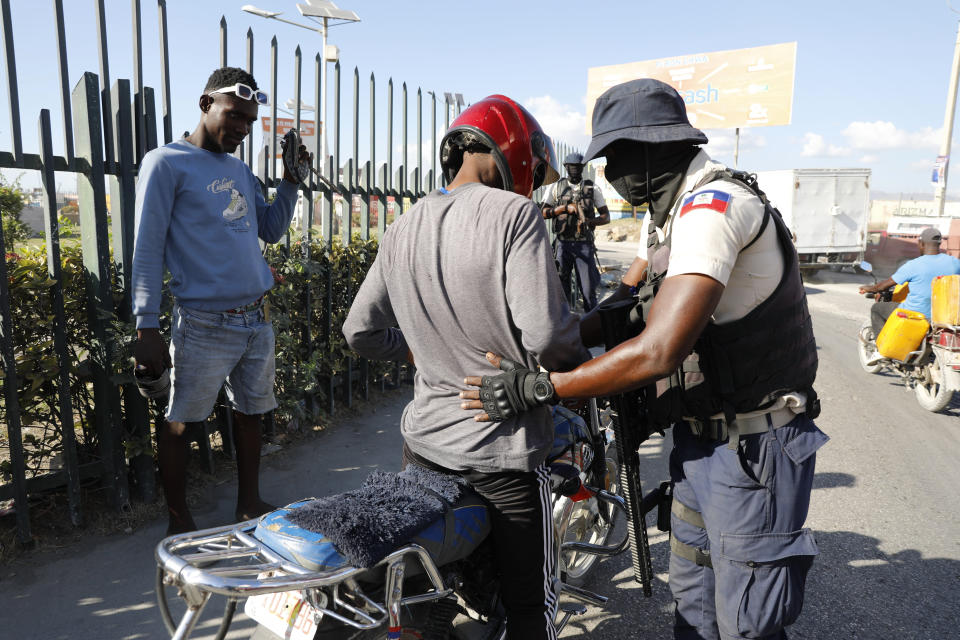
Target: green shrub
37	367
11	204
300	369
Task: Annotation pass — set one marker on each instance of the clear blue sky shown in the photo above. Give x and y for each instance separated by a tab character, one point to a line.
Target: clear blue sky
870	89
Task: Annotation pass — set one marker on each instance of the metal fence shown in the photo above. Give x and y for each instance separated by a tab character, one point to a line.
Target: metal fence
107	129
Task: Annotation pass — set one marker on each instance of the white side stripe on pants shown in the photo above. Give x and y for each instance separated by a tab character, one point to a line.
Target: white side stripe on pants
549	553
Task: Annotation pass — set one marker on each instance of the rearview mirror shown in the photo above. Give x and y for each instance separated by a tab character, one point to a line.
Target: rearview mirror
865	266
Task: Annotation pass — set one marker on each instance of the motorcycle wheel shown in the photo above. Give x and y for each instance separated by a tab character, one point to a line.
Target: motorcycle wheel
585	524
867	349
933	392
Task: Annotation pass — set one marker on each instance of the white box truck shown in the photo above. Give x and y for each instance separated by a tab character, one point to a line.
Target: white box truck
826	209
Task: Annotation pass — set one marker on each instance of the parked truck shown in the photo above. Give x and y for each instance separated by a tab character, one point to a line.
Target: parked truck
826	209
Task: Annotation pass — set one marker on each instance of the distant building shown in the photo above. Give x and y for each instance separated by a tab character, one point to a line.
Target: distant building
882	210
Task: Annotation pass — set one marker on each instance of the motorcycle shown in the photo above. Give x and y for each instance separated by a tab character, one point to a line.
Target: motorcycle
297	585
927	356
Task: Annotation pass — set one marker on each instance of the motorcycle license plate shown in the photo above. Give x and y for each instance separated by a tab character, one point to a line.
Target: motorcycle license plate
285	614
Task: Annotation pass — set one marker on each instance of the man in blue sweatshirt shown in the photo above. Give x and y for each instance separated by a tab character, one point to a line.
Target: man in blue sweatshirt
200	213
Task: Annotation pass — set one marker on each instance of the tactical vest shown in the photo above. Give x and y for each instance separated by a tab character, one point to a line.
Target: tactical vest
568	226
747	364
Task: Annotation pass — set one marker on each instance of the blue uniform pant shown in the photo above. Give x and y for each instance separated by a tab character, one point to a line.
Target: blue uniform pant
574	253
753	501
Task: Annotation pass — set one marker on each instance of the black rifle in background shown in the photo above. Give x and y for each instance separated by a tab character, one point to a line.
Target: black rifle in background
631	428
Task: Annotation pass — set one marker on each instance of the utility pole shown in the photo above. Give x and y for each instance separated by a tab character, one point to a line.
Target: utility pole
941	191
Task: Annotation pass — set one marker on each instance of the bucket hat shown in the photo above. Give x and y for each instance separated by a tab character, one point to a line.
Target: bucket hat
644	110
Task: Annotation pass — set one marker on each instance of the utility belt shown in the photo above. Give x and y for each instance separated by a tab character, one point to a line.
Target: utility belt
719	429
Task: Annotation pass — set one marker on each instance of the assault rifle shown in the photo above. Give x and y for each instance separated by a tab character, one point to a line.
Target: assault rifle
631	428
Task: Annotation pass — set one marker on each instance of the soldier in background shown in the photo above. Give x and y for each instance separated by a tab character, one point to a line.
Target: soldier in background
576	206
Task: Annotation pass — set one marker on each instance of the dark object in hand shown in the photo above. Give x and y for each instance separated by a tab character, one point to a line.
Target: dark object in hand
296	165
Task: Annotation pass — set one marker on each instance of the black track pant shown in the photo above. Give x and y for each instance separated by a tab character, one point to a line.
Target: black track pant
522	529
879	312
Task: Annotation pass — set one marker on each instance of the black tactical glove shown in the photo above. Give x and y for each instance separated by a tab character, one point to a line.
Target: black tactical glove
514	391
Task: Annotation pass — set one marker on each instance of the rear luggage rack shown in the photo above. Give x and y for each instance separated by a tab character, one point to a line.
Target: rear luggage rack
231	562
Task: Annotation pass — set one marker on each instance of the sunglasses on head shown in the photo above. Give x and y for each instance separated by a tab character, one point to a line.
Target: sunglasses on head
243	91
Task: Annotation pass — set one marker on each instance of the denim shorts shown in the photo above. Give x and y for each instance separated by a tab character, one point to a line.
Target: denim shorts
209	348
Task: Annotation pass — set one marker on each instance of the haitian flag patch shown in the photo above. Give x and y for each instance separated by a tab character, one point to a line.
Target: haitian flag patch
713	200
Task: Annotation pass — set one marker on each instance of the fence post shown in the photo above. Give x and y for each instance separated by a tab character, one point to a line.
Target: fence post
389	184
64	81
149	119
302	190
419	184
249	141
272	160
123	217
51	229
404	185
105	101
138	108
320	154
371	182
165	72
122	190
12	91
328	293
96	261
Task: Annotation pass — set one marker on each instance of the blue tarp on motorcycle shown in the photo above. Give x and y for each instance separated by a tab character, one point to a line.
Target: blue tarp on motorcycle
360	527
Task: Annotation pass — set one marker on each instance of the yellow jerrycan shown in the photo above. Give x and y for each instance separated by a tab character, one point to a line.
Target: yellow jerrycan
945	301
902	334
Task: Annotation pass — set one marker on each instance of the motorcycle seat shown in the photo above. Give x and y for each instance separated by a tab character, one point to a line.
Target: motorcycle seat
451	536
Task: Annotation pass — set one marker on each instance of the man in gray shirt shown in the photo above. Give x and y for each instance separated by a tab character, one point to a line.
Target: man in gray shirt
467	269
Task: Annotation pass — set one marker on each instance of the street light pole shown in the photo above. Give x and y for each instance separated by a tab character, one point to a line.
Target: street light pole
323	103
941	192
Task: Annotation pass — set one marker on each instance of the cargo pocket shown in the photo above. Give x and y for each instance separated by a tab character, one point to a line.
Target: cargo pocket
800	439
761	578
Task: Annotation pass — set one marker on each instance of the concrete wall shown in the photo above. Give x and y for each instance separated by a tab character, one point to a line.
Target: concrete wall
33	218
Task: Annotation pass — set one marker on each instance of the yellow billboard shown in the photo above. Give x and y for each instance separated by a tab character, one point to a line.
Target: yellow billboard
722	90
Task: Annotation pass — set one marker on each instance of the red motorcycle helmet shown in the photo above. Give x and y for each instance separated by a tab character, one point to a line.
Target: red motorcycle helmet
523	152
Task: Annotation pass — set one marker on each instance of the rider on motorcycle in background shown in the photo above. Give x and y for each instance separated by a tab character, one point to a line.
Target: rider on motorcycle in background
467	269
918	274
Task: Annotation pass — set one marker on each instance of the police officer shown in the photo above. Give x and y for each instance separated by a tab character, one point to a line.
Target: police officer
729	343
576	206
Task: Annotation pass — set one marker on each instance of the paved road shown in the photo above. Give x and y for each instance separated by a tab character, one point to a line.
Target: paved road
885	509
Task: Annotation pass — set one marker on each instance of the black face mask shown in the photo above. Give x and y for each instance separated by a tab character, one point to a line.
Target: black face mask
631	186
575	173
651	174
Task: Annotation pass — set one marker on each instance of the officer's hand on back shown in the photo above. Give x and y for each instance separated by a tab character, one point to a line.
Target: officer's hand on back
504	396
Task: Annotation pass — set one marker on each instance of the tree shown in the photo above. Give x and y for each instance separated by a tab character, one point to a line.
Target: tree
11	204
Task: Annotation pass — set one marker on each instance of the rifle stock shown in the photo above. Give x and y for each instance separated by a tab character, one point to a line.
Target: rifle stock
630	430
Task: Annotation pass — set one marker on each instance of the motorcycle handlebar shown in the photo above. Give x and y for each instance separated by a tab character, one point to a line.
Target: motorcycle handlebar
881	296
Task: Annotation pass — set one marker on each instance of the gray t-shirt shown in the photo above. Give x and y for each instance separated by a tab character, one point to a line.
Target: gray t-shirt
462	273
